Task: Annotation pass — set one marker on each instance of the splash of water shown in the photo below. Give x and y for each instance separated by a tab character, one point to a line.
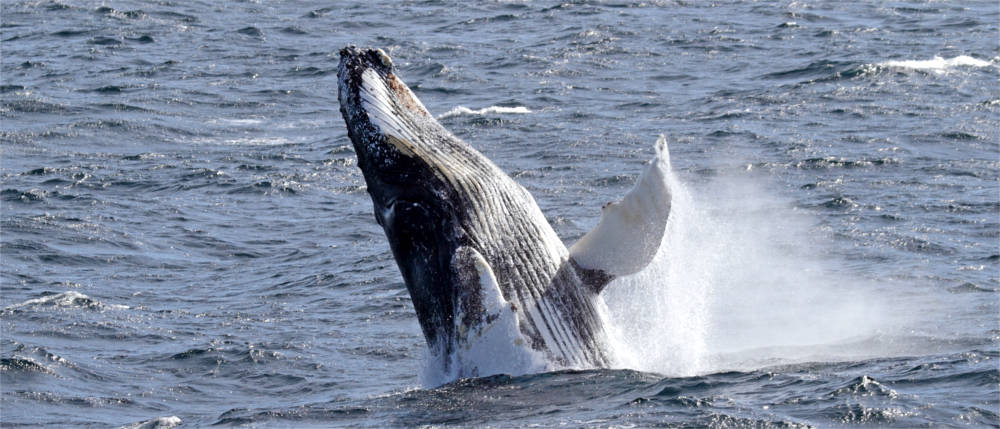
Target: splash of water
660	316
741	280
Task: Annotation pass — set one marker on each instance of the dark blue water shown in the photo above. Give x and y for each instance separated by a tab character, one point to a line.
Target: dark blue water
186	239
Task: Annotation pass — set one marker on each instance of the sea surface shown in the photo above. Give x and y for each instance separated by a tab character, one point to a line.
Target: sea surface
186	239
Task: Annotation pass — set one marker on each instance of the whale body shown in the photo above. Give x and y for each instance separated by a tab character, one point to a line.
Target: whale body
494	288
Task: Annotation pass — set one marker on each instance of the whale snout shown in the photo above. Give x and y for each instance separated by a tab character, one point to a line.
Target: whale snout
371	93
354	61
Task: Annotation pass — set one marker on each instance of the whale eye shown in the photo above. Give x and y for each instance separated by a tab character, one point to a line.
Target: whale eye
389	212
386	214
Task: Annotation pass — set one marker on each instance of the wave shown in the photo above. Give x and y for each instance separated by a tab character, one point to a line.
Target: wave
24	365
158	423
832	71
938	64
66	299
462	110
872	391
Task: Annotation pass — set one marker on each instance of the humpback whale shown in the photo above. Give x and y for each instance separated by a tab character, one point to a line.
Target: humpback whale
494	288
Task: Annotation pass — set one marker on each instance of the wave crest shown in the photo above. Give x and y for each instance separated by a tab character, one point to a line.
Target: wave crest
65	299
462	110
938	64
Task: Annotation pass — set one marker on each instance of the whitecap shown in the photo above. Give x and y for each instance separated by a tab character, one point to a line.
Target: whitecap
258	141
938	64
157	423
236	121
66	299
462	110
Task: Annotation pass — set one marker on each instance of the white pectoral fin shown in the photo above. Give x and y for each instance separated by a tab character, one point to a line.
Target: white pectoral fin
630	230
489	339
477	282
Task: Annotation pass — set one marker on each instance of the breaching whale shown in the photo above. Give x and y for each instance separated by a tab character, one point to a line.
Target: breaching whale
494	289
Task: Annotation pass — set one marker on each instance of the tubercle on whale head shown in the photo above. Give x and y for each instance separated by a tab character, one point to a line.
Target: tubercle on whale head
358	60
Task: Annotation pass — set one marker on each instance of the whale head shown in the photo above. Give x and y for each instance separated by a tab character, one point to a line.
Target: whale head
409	162
385	122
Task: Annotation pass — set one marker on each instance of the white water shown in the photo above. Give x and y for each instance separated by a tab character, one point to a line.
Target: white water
157	423
462	110
938	64
741	280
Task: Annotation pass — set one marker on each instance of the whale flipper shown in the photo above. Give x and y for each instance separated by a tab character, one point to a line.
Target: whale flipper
630	231
486	324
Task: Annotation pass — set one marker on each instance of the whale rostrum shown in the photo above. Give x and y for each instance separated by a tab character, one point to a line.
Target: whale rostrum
494	288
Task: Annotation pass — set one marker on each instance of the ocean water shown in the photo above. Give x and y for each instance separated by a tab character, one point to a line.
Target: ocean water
186	239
